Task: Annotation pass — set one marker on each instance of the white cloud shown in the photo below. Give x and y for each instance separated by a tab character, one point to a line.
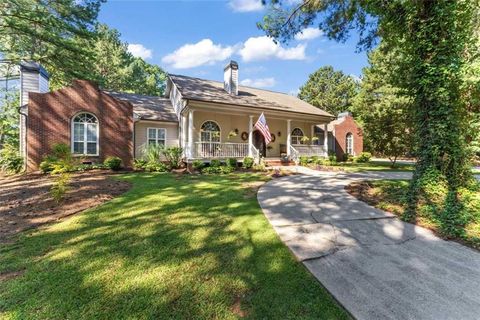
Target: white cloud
138	50
204	52
245	5
308	34
259	83
262	48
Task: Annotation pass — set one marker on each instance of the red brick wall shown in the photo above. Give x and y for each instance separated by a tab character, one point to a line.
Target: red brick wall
50	115
348	125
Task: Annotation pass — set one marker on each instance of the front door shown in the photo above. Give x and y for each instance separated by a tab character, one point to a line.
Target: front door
259	143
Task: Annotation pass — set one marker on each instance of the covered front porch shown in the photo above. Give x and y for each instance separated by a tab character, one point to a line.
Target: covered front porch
214	134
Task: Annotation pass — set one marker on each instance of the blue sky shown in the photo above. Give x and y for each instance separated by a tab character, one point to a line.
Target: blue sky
197	38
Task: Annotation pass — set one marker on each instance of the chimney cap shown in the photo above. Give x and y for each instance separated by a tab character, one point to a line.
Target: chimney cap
344	114
34	67
232	64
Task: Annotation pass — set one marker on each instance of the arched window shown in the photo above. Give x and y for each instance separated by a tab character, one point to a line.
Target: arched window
297	135
210	132
349	143
85	134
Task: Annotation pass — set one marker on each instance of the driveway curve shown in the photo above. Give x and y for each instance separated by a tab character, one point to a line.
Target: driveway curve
375	265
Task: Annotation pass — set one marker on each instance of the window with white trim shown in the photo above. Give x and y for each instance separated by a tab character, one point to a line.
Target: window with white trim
210	132
296	136
85	134
156	136
318	134
349	143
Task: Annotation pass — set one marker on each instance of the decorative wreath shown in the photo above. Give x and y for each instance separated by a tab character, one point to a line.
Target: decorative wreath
244	136
273	137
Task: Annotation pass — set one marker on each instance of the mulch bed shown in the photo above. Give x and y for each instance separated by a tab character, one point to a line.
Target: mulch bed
25	200
362	190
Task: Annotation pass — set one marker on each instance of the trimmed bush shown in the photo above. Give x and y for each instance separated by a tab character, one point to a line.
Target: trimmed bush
10	159
198	165
113	163
364	157
248	162
231	162
215	163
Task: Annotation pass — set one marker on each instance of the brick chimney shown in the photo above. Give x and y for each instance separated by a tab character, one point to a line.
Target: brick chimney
230	78
33	78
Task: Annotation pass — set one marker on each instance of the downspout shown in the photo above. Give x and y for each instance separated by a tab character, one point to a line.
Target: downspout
25	145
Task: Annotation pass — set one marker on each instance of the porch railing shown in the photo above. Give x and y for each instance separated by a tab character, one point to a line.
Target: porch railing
255	154
220	150
294	155
309	150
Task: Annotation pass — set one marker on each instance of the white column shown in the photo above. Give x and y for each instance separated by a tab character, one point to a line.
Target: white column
325	138
312	132
250	136
289	136
184	134
190	134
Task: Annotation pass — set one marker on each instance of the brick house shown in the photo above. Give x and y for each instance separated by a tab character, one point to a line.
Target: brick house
208	119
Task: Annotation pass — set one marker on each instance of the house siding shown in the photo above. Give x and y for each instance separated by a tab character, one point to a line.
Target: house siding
50	115
141	132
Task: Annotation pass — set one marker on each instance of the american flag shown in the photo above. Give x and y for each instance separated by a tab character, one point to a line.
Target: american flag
263	127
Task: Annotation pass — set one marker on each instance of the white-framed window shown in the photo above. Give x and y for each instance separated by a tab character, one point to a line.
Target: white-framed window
85	134
296	136
210	132
156	136
319	134
349	143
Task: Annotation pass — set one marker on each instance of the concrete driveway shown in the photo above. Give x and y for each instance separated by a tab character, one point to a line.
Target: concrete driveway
377	266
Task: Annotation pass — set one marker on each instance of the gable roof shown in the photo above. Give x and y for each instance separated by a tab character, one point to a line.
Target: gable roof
212	91
148	107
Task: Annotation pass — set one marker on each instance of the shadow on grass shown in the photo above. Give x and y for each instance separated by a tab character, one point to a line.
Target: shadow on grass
188	247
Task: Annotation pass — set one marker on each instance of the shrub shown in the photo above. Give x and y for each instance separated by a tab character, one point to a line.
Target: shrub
210	169
364	157
113	163
227	169
156	167
173	156
152	153
231	162
46	165
139	164
61	151
248	162
304	160
10	159
215	163
60	186
198	165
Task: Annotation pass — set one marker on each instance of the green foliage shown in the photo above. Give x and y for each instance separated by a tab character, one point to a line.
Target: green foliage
173	156
364	157
46	165
60	186
304	160
231	162
10	159
113	163
215	163
382	109
198	165
329	90
156	167
247	162
152	153
9	103
49	32
139	164
117	69
433	42
59	161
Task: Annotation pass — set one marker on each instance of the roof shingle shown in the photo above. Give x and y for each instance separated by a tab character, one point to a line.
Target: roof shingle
212	91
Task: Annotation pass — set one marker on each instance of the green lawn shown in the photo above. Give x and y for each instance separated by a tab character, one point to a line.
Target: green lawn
373	166
390	195
191	247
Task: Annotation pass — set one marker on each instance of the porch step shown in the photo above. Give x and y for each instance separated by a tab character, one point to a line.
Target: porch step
277	162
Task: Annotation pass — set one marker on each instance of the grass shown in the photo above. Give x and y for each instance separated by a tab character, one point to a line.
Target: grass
390	195
186	247
371	166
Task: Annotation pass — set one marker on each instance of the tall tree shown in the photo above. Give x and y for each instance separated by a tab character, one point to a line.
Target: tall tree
431	37
46	32
330	90
382	109
9	102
